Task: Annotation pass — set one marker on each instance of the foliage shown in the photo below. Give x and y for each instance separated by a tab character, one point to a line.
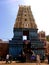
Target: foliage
47	37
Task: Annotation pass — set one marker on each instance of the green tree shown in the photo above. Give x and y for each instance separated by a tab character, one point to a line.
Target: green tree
47	37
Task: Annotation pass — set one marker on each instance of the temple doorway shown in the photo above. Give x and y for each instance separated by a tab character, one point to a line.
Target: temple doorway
27	49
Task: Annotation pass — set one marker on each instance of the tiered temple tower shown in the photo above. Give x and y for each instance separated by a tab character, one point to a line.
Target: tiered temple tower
25	29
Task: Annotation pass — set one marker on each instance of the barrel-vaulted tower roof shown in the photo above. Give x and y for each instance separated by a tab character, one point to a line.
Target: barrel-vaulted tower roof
25	18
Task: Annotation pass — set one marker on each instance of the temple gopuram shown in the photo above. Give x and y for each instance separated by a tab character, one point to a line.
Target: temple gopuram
25	36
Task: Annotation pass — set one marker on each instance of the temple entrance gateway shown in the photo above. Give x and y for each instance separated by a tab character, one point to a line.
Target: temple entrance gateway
27	50
25	35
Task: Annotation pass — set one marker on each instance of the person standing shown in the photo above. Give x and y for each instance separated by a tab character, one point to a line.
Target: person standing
38	59
7	58
10	58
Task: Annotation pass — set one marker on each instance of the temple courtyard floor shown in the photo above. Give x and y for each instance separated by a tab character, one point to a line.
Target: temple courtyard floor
15	63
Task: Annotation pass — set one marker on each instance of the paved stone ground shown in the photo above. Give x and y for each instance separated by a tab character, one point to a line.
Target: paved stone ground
14	63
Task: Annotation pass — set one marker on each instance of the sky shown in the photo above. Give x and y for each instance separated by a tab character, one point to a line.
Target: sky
9	10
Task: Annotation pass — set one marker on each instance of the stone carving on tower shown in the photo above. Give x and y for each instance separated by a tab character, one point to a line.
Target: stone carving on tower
25	18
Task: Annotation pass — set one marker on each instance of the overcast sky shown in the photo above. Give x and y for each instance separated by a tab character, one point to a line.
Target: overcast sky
8	12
